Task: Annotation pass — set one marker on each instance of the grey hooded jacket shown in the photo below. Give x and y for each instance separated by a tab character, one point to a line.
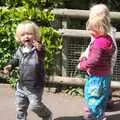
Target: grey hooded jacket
31	67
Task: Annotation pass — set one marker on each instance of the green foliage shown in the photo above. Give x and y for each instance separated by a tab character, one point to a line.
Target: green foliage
11	16
7	31
36	3
13	78
53	42
75	91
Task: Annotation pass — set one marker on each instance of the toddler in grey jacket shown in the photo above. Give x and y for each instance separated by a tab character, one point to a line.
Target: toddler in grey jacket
29	58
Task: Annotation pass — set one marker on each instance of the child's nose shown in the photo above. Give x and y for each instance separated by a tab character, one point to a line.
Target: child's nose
26	35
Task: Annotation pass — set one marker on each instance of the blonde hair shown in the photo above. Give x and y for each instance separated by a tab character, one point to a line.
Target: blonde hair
99	19
100	24
32	28
99	10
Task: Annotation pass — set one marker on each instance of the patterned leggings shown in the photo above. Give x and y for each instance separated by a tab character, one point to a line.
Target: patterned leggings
97	90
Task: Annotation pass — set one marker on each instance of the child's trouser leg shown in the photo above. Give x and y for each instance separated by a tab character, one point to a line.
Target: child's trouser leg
96	95
110	102
42	111
21	106
38	107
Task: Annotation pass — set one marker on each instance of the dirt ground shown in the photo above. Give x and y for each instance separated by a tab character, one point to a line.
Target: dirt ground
63	106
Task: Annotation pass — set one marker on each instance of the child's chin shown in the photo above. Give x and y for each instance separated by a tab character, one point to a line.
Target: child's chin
27	44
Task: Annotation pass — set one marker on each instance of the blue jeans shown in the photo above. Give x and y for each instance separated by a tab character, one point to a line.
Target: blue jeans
97	90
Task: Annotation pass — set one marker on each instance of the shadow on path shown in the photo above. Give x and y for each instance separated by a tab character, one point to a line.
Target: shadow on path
110	117
115	106
114	117
69	118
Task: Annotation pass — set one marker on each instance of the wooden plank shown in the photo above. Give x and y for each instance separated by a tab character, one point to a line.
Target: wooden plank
71	13
65	80
75	81
80	13
74	33
79	33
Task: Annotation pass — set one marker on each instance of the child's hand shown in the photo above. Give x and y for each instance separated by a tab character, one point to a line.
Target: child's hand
7	69
82	56
37	45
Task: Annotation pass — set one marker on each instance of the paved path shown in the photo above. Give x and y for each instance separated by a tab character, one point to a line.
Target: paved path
64	107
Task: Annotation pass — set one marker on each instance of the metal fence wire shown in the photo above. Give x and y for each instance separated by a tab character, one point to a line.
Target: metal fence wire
75	46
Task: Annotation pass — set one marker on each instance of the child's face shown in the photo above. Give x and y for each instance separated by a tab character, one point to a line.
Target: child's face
27	36
94	33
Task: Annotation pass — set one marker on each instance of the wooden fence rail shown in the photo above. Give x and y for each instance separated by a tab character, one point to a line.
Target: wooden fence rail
81	13
79	33
75	81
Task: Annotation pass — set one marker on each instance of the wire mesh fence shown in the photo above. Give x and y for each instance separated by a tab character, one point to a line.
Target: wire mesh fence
116	72
75	46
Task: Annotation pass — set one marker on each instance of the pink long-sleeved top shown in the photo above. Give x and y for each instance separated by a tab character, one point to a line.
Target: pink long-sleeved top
99	58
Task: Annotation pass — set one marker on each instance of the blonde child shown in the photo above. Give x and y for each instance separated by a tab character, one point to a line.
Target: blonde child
102	10
101	50
29	57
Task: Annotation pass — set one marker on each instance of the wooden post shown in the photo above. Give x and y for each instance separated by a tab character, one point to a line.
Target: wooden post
64	51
